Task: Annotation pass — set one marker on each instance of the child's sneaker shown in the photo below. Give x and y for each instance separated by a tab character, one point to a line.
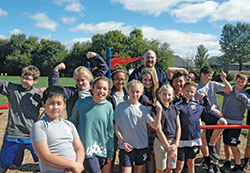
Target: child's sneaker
212	152
216	168
237	169
226	167
245	166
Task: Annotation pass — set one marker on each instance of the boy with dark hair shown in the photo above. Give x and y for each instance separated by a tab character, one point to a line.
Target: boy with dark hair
24	102
55	140
233	108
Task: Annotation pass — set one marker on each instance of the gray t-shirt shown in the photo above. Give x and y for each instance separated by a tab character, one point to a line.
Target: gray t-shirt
210	90
23	111
133	121
59	136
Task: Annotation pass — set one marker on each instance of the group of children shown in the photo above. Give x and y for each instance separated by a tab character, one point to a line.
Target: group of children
148	123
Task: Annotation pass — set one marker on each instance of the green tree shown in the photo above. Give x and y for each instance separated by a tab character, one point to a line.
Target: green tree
77	57
19	53
48	54
235	44
201	57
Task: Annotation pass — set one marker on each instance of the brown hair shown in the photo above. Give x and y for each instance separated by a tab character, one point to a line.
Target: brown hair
104	78
118	68
242	76
31	70
190	83
153	76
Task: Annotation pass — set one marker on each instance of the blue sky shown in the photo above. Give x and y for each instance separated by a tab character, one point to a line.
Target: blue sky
184	24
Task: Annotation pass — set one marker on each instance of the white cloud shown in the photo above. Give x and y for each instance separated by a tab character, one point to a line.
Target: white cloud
47	37
3	37
182	43
155	7
191	13
43	21
71	5
3	13
232	10
74	7
69	20
101	28
15	32
69	43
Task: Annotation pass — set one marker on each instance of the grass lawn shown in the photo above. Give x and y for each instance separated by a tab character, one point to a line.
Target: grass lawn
42	82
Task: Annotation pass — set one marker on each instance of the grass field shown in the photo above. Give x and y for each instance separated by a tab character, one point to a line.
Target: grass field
42	82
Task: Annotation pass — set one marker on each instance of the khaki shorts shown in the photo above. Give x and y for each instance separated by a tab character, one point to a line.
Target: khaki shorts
162	159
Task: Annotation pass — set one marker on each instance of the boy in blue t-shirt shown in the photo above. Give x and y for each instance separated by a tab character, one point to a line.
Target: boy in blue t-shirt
233	108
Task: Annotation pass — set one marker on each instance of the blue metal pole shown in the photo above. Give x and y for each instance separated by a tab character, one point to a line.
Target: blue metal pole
109	56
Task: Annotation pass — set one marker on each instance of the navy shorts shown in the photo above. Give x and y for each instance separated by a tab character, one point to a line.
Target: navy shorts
95	164
231	137
187	152
137	156
210	118
13	152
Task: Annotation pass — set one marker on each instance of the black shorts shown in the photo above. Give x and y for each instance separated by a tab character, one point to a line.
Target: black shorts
137	156
188	153
231	137
95	164
210	118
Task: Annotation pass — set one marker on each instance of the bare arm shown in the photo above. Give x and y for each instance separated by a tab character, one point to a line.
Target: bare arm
171	70
44	154
162	138
79	149
228	87
127	147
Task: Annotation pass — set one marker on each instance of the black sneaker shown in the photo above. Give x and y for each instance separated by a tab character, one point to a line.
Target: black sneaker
226	167
209	168
245	166
237	169
212	152
216	168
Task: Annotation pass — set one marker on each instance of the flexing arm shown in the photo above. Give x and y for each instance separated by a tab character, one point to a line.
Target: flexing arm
54	76
102	66
44	154
228	87
171	70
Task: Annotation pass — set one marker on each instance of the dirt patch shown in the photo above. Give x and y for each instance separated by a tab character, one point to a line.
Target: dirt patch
29	166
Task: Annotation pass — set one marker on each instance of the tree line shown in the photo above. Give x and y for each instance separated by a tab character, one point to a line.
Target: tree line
19	51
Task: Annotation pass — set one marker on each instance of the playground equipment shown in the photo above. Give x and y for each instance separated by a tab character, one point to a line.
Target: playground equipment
225	126
112	60
6	106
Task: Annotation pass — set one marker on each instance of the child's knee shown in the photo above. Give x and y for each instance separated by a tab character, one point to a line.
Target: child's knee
222	121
